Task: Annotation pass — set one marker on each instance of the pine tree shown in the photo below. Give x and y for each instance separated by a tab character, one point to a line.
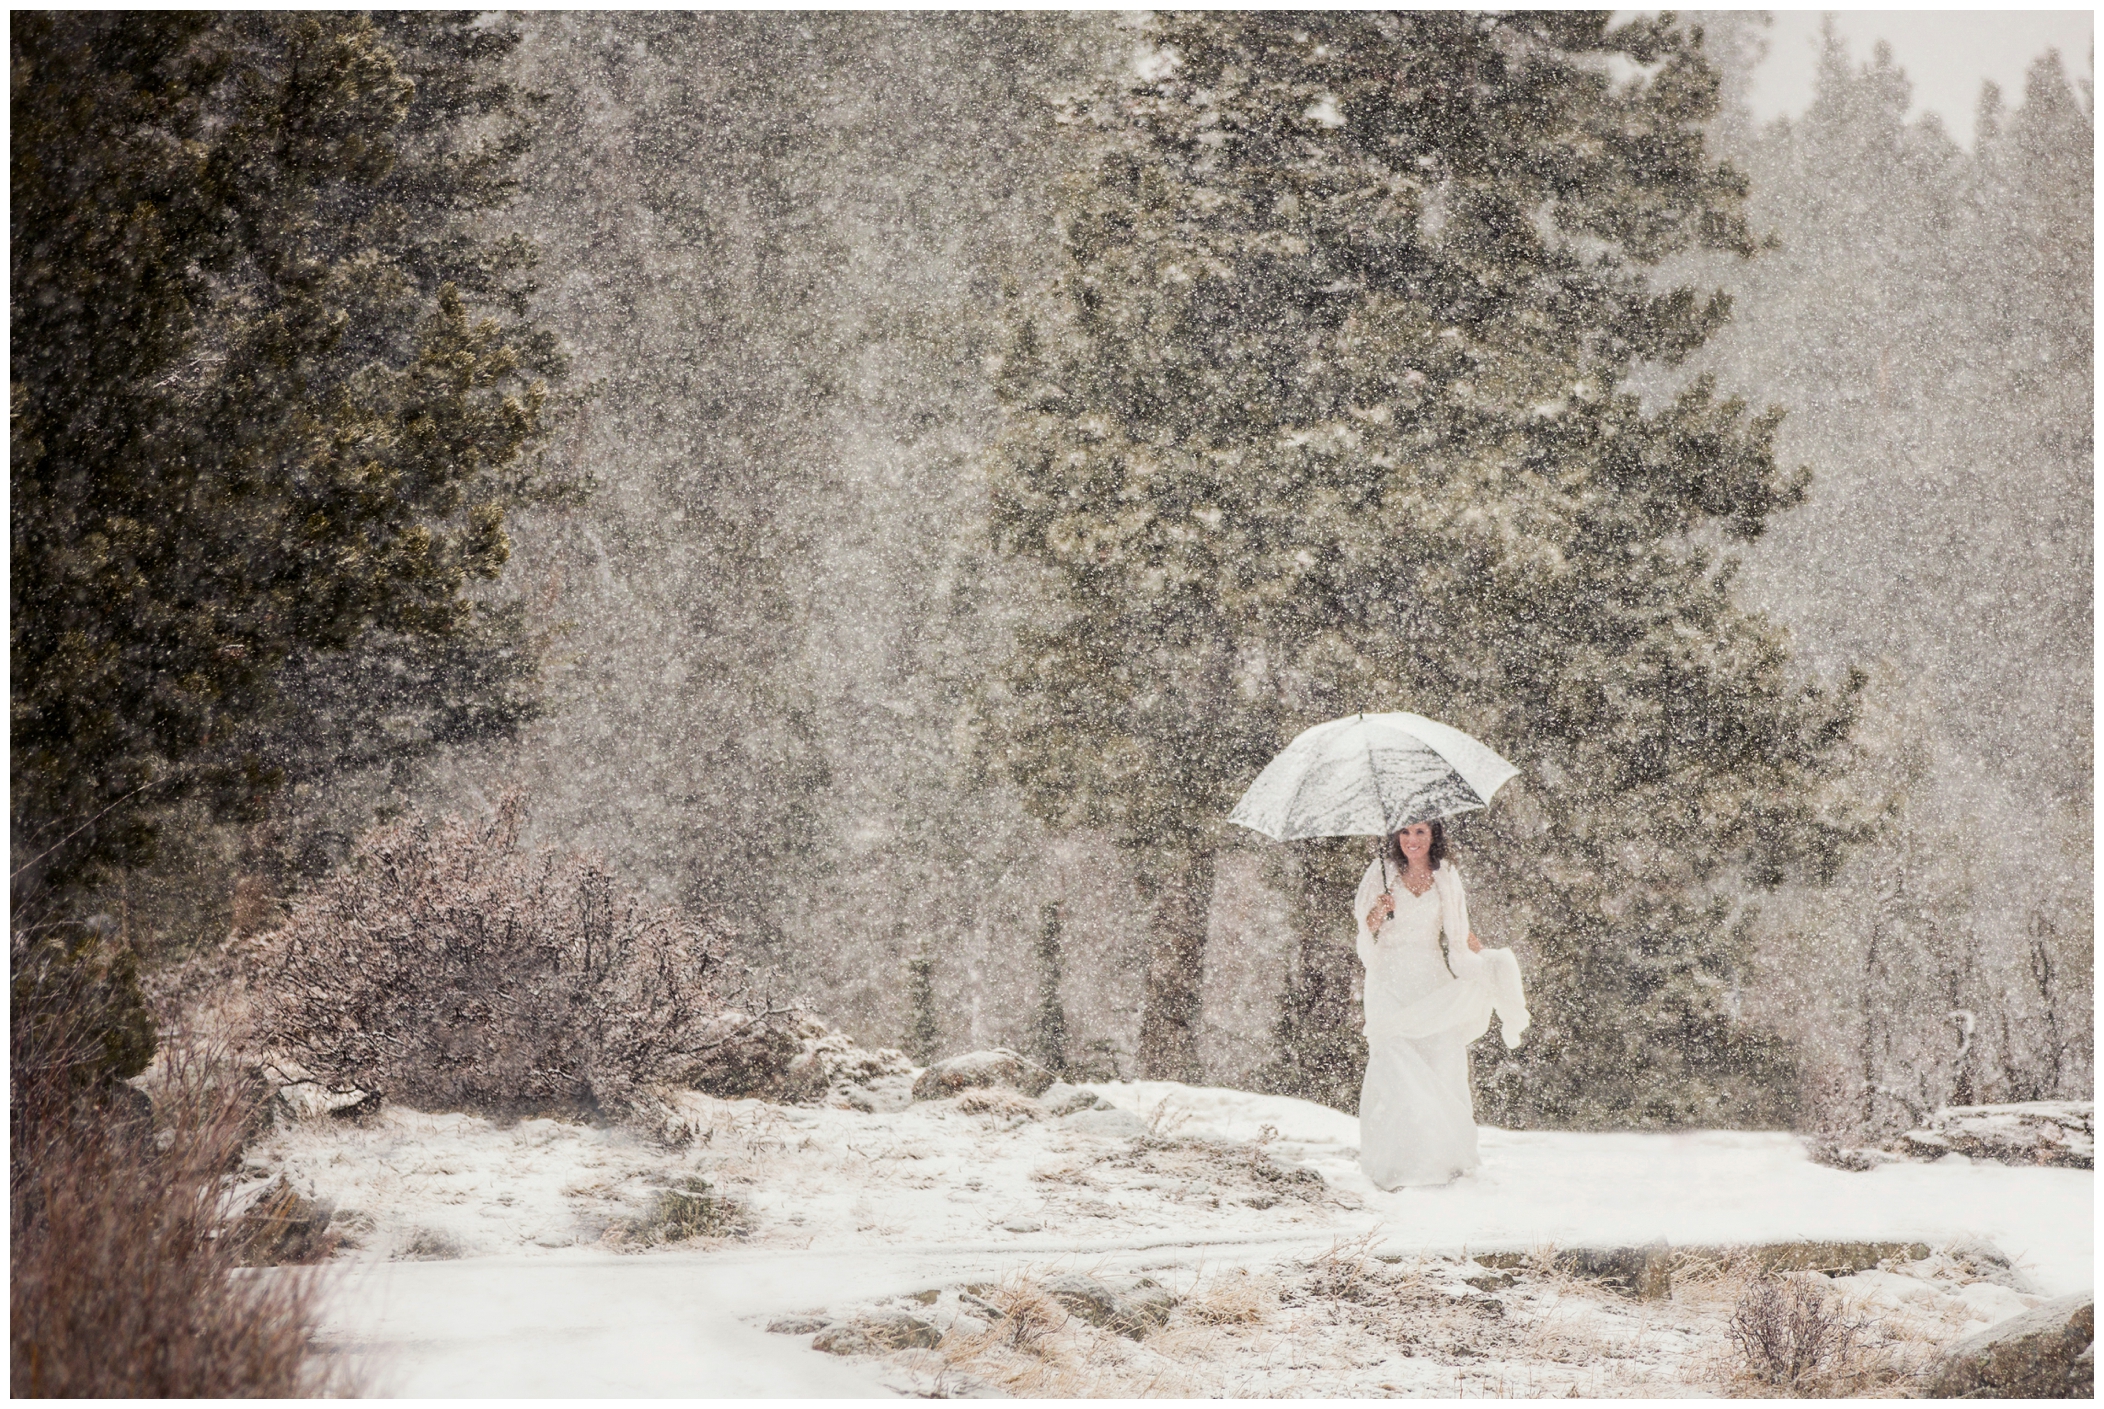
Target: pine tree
1925	314
273	398
1326	411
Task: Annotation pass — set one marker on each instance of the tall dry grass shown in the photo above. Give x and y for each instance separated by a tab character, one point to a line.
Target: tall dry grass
123	1269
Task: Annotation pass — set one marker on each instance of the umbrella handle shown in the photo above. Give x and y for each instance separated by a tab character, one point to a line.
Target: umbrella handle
1380	853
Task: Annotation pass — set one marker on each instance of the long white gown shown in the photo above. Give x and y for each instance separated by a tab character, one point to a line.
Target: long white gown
1417	1119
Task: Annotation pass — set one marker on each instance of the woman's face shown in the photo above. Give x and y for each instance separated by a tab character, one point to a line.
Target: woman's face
1415	841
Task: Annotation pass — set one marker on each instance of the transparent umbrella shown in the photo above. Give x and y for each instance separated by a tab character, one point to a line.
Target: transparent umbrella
1370	775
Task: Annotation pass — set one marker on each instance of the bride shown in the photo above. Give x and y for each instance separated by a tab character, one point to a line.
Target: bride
1426	1000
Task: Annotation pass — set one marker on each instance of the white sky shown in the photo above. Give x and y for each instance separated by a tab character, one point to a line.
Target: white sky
1947	54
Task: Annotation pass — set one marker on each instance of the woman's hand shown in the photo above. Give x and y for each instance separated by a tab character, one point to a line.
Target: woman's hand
1475	945
1377	914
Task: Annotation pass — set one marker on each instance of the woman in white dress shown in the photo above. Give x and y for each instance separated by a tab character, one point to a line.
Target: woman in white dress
1425	1002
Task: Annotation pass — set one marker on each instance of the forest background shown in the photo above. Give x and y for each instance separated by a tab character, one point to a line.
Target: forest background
752	601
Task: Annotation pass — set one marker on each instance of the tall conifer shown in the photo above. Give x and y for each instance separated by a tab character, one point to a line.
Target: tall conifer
1326	411
274	391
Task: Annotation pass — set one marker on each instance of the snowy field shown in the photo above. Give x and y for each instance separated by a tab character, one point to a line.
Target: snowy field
487	1259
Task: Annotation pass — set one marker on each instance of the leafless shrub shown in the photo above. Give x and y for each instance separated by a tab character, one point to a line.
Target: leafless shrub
122	1278
1790	1328
448	969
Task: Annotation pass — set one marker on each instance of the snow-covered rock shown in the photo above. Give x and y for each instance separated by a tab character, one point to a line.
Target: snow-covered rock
2027	1132
1132	1306
997	1066
1061	1099
1110	1121
2043	1353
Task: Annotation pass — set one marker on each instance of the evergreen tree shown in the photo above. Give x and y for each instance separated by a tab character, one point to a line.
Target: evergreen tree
1926	315
275	391
1326	411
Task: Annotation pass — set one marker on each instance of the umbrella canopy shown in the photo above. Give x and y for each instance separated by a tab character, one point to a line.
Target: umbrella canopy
1370	774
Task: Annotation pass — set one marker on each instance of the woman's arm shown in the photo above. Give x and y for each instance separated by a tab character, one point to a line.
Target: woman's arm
1464	950
1372	894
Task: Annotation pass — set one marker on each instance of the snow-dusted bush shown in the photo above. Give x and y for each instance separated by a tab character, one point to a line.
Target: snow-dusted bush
446	967
1791	1328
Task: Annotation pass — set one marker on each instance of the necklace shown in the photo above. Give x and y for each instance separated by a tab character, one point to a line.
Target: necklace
1415	890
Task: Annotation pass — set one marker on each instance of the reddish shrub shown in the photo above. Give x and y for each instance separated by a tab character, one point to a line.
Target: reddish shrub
121	1281
447	968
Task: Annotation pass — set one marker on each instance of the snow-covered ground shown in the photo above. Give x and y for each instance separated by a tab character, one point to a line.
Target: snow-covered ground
518	1259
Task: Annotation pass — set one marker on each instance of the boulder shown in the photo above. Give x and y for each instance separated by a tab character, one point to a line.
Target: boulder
282	1226
1061	1099
1132	1307
1084	1297
874	1335
2046	1353
996	1067
2022	1132
1111	1122
1147	1304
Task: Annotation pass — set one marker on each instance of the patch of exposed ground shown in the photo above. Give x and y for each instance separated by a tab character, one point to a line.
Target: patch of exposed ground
1356	1323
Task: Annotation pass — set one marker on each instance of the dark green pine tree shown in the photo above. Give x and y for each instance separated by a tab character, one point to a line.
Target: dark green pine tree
1327	411
274	393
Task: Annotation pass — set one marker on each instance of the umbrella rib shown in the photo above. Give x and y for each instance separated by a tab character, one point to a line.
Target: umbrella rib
1375	774
1381	849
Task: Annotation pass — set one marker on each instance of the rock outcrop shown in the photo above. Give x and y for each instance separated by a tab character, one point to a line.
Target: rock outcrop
2028	1132
997	1066
1132	1307
873	1335
2046	1353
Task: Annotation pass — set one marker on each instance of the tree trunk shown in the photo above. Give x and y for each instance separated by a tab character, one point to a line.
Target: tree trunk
1321	1052
1180	883
1048	1038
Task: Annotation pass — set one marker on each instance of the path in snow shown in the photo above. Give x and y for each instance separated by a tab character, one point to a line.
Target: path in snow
853	1206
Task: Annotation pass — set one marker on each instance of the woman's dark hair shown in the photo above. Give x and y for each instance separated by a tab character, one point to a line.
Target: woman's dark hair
1437	854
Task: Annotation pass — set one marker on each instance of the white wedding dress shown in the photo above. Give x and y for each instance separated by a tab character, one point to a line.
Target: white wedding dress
1417	1119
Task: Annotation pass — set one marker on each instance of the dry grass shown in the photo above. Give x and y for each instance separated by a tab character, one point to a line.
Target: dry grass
1235	1298
1352	1323
1002	1104
123	1279
1037	1350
